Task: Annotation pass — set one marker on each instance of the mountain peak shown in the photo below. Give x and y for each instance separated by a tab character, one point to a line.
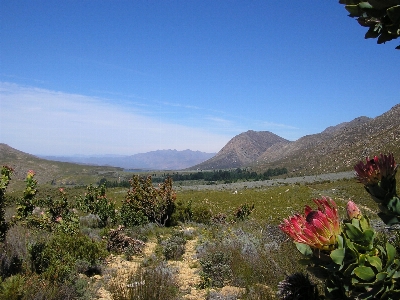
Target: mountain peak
242	150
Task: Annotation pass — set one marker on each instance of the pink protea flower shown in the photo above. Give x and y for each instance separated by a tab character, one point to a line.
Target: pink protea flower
317	228
352	210
374	169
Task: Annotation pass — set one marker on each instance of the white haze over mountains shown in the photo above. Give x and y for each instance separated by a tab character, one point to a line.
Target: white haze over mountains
154	160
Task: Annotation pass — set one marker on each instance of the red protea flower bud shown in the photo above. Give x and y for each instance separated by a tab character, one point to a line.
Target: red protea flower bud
317	228
353	211
374	170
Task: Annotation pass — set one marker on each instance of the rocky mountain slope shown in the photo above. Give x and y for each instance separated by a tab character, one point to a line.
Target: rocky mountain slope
335	149
242	150
50	171
338	148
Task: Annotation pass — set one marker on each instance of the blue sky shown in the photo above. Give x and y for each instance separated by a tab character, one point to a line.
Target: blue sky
126	77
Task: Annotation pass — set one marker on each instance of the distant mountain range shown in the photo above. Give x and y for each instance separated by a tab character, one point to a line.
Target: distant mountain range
335	149
154	160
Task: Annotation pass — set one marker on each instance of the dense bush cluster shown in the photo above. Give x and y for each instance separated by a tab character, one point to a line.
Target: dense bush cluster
174	247
226	175
144	203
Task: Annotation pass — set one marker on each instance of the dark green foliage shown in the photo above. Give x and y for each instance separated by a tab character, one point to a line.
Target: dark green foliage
298	287
243	211
131	216
5	177
56	258
201	214
183	212
224	175
144	202
115	183
95	202
382	18
32	287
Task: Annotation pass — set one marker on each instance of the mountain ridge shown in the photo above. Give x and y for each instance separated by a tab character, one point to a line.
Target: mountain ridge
153	160
335	149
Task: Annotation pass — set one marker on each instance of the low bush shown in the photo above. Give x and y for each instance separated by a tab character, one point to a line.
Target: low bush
201	214
156	282
33	287
174	247
56	258
216	269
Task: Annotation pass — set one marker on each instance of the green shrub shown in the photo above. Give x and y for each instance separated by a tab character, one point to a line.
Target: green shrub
56	259
12	288
216	270
5	177
183	212
243	211
131	215
33	287
144	202
25	204
201	214
95	202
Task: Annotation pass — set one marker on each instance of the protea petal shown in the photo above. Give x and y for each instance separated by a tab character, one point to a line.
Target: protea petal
317	228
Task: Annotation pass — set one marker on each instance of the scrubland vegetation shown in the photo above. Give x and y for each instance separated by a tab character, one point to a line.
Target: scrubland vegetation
58	243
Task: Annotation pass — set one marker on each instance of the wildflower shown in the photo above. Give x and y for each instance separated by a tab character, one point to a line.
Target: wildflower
317	228
352	210
375	169
30	174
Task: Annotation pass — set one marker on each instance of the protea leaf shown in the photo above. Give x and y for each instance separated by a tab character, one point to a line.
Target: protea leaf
375	261
338	255
304	249
394	14
364	273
